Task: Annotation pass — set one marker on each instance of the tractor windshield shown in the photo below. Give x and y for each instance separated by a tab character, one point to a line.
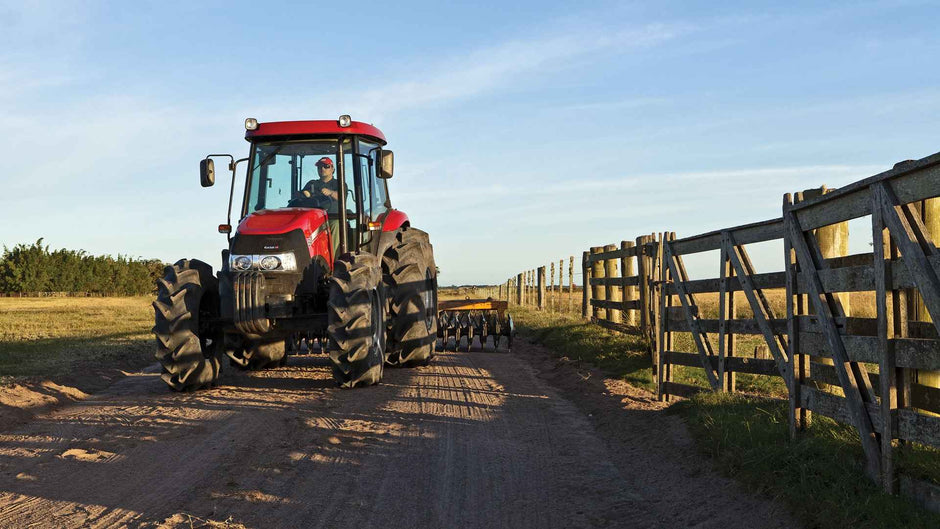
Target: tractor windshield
297	174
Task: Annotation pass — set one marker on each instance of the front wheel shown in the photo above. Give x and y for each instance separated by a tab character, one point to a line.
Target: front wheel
189	342
356	321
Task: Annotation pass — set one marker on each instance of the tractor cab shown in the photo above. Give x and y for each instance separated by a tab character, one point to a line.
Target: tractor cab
322	177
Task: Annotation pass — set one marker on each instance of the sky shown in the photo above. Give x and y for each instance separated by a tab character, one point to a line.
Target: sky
523	132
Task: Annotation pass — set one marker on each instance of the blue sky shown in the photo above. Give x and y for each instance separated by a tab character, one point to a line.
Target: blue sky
523	132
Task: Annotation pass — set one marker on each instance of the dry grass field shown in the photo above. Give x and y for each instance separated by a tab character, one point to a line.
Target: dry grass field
59	336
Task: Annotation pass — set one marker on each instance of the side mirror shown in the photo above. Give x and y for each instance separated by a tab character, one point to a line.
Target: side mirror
207	172
386	164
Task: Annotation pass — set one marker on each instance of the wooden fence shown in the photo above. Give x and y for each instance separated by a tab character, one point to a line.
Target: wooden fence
877	371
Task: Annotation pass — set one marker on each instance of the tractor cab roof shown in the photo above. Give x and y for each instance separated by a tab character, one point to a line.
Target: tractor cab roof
328	127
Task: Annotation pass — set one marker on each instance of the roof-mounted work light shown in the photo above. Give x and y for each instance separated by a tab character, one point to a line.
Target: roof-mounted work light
345	120
251	124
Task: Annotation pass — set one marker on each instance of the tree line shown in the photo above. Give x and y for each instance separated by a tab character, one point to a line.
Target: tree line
34	268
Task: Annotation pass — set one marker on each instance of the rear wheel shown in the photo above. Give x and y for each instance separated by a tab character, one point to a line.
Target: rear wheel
189	343
410	277
356	321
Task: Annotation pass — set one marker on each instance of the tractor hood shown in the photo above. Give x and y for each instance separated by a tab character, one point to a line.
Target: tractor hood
283	220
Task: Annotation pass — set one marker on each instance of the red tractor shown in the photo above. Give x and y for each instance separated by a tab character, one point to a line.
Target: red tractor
319	252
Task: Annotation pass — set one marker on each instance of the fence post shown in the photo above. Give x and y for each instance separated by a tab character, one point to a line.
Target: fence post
570	281
642	267
614	292
533	295
656	277
551	288
930	216
726	311
528	287
626	273
528	294
598	292
585	281
665	343
519	289
541	288
800	417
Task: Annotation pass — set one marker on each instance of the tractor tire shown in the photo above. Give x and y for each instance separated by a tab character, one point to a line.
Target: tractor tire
410	278
356	321
188	347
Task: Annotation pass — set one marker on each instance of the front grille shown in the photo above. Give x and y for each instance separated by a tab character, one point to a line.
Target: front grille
250	317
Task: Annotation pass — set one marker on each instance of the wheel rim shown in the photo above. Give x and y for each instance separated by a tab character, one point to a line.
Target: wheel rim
378	325
208	341
429	305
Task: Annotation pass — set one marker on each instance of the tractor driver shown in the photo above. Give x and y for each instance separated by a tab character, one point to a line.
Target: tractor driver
328	187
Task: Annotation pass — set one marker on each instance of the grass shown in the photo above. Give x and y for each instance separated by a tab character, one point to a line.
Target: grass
56	336
819	475
621	355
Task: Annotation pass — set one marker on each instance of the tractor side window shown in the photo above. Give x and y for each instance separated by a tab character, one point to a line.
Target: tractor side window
366	195
366	186
376	185
273	184
352	208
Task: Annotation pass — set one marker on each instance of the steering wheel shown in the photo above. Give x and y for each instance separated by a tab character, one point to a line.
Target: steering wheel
318	201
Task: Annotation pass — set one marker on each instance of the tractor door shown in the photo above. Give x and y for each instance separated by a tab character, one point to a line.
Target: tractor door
373	201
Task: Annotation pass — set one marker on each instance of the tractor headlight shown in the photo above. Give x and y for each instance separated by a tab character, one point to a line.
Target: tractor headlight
345	120
279	262
270	262
287	261
241	262
251	124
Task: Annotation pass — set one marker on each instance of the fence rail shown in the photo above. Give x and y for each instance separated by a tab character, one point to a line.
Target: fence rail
877	371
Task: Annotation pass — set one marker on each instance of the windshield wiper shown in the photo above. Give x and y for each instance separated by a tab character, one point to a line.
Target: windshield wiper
268	157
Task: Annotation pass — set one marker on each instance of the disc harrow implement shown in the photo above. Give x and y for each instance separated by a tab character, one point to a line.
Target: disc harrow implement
469	318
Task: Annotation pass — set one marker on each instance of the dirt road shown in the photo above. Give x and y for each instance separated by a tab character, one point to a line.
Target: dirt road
474	440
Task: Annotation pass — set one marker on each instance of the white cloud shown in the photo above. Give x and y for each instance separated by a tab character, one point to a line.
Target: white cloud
459	77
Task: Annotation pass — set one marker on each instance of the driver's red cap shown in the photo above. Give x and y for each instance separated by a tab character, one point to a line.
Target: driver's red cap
325	161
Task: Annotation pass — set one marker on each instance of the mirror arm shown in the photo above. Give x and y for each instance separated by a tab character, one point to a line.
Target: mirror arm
228	220
229	156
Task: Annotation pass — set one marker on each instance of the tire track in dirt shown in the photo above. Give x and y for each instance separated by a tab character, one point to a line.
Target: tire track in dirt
473	440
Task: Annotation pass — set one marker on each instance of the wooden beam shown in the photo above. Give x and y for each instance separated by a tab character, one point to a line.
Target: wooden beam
704	346
585	284
881	253
726	339
854	397
908	232
759	305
